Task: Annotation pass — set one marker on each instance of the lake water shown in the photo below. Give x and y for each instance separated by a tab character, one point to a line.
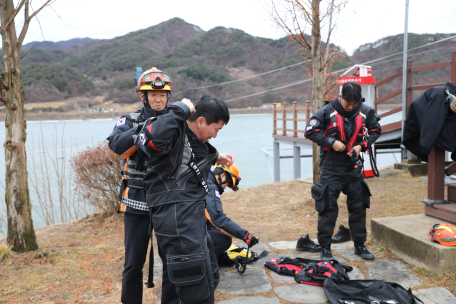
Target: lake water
243	137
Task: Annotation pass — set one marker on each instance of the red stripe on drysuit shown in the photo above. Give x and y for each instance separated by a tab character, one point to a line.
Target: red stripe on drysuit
340	126
375	131
359	125
149	128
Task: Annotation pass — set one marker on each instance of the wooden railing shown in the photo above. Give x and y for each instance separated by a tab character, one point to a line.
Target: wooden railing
385	128
307	109
410	87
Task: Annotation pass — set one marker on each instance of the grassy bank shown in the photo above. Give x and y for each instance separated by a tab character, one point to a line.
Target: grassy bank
82	261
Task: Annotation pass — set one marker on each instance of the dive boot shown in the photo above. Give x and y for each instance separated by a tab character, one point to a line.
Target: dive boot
325	254
343	235
306	244
362	251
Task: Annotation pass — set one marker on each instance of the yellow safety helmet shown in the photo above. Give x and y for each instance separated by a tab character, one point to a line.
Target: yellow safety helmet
154	79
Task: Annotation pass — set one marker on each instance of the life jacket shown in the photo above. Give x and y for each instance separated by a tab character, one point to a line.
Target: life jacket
315	272
336	128
284	266
131	177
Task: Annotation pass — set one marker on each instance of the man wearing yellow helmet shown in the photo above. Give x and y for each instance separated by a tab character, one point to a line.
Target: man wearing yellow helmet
154	87
220	227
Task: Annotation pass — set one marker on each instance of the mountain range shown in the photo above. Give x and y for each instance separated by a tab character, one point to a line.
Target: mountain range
195	58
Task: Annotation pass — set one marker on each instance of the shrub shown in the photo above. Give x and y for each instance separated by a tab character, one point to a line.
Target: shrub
128	97
201	72
5	252
97	174
123	84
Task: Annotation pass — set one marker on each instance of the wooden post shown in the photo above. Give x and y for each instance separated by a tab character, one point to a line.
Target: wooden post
436	174
408	96
307	111
284	118
295	118
453	68
274	119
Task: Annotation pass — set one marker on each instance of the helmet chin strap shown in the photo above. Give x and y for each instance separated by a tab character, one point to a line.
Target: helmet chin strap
146	99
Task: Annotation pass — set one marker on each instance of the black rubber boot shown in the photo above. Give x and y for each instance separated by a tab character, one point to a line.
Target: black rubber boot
326	254
362	251
306	244
343	235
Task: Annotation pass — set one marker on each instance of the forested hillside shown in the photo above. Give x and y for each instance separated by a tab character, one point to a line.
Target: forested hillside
195	58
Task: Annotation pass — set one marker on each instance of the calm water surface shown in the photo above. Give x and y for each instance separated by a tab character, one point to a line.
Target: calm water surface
243	137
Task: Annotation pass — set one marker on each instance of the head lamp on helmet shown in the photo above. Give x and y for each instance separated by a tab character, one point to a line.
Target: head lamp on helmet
233	172
154	79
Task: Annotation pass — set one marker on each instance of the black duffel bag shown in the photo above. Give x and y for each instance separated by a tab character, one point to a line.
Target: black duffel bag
368	291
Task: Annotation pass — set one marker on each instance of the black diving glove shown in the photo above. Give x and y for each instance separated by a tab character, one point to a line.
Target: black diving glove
250	240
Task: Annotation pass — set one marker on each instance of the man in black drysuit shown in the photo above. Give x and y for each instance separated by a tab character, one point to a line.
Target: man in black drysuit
220	227
338	127
132	195
178	160
431	123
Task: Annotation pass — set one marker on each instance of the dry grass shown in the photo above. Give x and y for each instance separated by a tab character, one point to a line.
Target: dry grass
285	211
5	252
82	261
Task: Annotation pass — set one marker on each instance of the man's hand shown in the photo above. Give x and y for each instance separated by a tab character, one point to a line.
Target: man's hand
189	104
225	159
339	146
357	149
250	240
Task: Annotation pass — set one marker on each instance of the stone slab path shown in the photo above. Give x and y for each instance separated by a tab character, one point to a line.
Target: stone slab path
262	286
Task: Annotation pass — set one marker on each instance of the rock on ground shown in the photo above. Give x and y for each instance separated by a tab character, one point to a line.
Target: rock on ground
392	271
251	282
437	295
301	293
251	300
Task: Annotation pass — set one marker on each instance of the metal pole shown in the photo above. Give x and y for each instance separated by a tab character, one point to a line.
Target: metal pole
296	162
404	72
276	161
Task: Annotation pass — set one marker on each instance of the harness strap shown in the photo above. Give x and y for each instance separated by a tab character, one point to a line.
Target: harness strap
197	171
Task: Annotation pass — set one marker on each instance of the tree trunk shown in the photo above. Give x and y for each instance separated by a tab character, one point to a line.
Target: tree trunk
21	235
317	80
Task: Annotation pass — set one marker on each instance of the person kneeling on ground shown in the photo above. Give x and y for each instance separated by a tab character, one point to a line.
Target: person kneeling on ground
220	227
178	158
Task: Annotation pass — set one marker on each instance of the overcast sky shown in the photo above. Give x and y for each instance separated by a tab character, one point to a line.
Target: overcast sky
362	21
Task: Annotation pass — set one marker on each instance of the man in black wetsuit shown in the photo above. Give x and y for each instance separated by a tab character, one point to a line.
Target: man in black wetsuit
178	158
343	128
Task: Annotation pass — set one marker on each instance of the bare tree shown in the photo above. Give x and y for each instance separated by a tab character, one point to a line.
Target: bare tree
21	235
295	17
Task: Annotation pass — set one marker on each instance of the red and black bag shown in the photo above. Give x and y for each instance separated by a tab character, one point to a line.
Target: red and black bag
284	266
315	272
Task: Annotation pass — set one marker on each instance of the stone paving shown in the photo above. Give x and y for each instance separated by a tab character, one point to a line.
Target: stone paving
262	286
